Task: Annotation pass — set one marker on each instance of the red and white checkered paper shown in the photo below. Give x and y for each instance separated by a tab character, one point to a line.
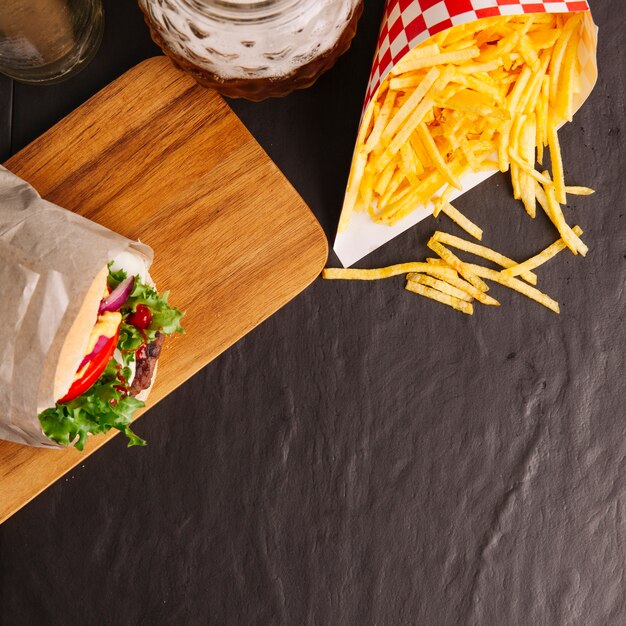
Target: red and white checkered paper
405	25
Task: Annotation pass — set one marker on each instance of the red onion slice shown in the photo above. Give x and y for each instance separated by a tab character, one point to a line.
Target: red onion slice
116	299
101	343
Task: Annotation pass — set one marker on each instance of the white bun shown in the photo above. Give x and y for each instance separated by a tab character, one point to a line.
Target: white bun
73	350
132	264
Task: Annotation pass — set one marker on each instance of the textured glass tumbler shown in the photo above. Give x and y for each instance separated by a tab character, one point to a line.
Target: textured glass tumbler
46	41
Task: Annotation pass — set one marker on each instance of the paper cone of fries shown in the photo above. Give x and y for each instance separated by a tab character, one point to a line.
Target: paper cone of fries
418	49
49	260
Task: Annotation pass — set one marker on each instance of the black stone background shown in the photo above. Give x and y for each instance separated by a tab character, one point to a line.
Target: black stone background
365	456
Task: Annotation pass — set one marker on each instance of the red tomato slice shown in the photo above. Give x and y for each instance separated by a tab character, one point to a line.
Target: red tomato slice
94	370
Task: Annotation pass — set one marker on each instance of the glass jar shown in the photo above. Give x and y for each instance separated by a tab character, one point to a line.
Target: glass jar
253	49
44	41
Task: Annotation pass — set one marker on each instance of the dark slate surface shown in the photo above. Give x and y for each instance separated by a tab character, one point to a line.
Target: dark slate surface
6	111
365	456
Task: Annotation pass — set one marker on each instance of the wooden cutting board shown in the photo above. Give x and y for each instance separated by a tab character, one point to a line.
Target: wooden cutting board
157	158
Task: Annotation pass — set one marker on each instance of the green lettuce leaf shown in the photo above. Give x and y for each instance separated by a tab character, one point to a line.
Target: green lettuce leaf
165	319
105	405
100	408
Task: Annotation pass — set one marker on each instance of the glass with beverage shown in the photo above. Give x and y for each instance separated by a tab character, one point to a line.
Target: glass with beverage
253	49
43	41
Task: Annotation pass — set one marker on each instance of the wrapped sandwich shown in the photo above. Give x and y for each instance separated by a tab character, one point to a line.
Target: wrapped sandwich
83	324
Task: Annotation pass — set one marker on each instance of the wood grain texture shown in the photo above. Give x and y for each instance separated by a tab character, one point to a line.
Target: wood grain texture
157	158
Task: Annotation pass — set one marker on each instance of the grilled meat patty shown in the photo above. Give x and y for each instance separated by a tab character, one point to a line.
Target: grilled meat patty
145	363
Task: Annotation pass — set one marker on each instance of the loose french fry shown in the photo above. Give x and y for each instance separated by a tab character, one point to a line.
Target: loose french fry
530	170
541	258
455	263
579	191
483	252
546	197
467	225
340	273
443	272
513	283
433	294
439	285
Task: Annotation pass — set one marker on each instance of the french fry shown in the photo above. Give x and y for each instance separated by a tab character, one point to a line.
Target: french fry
433	152
381	121
441	200
384	178
455	263
412	79
415	119
557	160
443	272
439	285
429	50
546	196
483	252
579	191
354	186
513	283
566	92
340	273
539	259
410	165
444	58
433	294
527	149
529	169
467	225
409	106
558	54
